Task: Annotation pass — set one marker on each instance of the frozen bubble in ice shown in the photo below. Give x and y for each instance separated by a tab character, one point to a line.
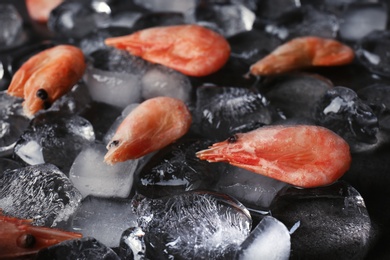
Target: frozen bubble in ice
270	240
227	19
219	110
176	169
166	5
75	101
91	176
11	31
75	19
341	110
163	81
334	222
202	224
372	52
104	219
54	137
296	95
40	192
155	19
253	190
132	245
304	21
83	248
12	122
114	77
358	20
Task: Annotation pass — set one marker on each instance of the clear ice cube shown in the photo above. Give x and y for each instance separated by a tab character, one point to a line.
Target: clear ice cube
11	31
92	176
54	137
166	5
104	219
40	192
132	245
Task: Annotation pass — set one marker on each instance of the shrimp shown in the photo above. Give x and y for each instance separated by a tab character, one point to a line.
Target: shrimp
152	125
47	76
304	156
39	10
19	239
191	49
303	52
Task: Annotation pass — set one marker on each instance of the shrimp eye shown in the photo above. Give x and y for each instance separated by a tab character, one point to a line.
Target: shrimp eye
42	94
26	241
114	143
232	139
46	105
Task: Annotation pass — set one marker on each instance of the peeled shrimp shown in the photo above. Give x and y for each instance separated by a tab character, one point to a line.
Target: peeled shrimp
190	49
303	52
152	125
47	76
304	156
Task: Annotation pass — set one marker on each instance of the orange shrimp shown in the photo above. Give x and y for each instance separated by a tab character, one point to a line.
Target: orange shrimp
152	125
304	156
39	10
47	76
19	239
190	49
303	52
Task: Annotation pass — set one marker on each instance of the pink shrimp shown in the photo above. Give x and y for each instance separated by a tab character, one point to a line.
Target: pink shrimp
303	52
152	125
39	10
190	49
47	76
304	156
19	239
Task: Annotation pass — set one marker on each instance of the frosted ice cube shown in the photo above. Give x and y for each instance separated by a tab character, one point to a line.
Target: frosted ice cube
162	81
203	224
269	240
104	219
91	176
41	192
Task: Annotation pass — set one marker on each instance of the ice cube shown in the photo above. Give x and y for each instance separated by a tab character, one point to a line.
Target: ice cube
55	137
343	112
269	240
296	95
358	20
104	219
155	19
227	19
221	109
40	192
83	248
11	32
253	190
132	245
202	224
163	81
334	222
372	50
91	176
166	5
176	169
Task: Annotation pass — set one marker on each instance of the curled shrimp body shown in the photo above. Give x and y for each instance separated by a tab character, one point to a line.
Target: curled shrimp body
152	125
301	53
190	49
47	76
304	156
